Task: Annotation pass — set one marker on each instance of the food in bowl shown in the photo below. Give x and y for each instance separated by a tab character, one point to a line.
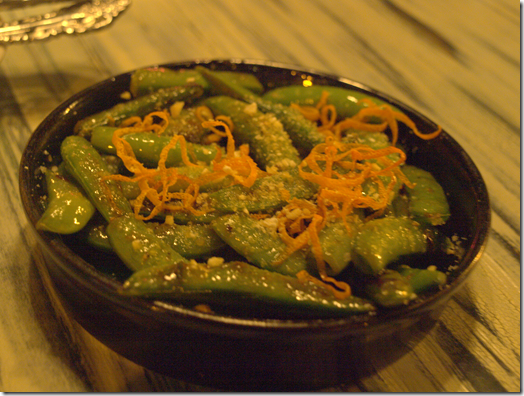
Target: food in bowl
225	195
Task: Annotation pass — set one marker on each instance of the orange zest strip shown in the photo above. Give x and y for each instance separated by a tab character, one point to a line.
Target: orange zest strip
309	112
303	277
241	167
326	115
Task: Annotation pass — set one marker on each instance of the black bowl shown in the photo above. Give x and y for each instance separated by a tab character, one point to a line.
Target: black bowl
242	352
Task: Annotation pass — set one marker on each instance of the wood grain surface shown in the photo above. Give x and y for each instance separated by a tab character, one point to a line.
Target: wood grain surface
458	62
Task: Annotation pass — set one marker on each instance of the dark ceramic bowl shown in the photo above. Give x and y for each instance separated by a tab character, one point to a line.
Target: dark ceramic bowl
240	352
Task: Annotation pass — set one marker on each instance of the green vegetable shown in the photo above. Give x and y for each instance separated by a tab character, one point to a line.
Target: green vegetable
147	147
68	209
96	236
145	81
302	132
137	245
381	241
191	241
337	244
390	289
137	107
347	102
269	145
88	168
423	280
267	193
258	242
239	283
427	200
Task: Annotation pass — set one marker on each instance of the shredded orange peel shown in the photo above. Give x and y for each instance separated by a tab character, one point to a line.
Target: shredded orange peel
156	184
340	170
325	114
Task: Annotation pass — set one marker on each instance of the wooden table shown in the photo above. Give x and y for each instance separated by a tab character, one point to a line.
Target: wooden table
458	62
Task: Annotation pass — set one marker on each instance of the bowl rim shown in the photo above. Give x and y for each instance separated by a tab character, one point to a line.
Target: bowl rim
164	311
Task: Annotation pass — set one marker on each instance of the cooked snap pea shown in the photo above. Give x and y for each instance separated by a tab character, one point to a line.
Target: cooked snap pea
96	236
427	200
303	133
347	102
337	243
423	280
259	243
239	283
88	168
269	145
188	124
137	245
140	106
390	289
145	81
191	241
267	193
148	146
68	209
375	140
381	241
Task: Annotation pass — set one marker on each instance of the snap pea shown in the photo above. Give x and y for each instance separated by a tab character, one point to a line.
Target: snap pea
239	283
259	244
390	289
137	245
375	140
140	106
88	168
423	280
188	124
267	193
148	146
96	236
269	145
337	243
347	102
68	209
381	241
144	81
427	200
191	241
303	133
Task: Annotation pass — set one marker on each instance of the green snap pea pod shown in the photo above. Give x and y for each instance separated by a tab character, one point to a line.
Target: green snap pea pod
145	81
137	245
269	145
379	242
96	236
191	241
423	280
267	193
390	289
337	243
68	209
375	140
188	124
347	102
140	106
258	242
148	146
239	283
427	200
88	168
303	133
